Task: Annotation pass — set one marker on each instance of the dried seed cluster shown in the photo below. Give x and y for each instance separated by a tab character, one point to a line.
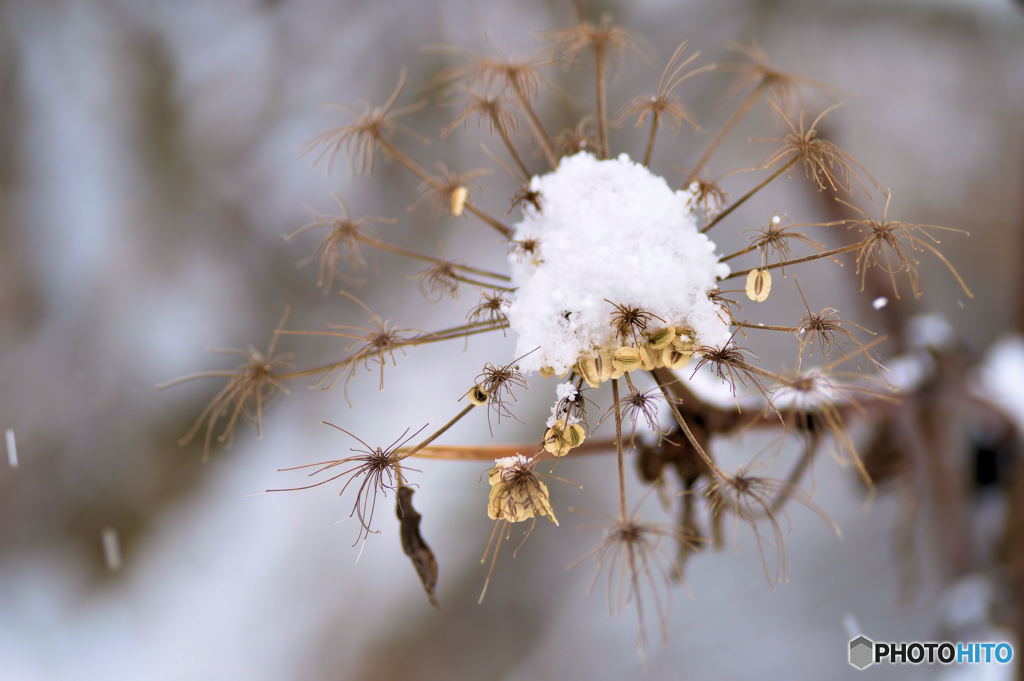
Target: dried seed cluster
613	284
670	347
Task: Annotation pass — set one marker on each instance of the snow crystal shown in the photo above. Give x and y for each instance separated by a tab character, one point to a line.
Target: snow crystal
879	302
12	448
111	548
511	461
566	391
608	231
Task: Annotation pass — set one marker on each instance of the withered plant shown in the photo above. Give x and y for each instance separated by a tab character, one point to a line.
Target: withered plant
614	287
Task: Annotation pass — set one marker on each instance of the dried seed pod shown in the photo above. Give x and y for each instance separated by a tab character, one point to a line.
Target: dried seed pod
604	365
547	372
674	358
759	285
516	493
662	338
656	356
587	368
684	340
477	395
459	196
413	545
627	358
562	437
597	369
647	359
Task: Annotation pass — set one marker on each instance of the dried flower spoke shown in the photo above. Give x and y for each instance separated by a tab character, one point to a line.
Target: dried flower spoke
892	245
250	386
370	127
823	162
374	469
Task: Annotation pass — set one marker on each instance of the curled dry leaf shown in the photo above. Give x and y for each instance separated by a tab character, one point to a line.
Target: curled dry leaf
413	545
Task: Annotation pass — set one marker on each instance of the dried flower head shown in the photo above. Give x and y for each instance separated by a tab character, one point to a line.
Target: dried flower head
893	245
499	382
250	387
706	196
827	165
516	492
638	569
376	469
490	309
827	330
752	499
754	68
372	127
665	107
341	242
613	281
773	240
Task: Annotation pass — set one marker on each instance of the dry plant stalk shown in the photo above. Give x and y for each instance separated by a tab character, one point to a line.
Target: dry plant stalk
656	343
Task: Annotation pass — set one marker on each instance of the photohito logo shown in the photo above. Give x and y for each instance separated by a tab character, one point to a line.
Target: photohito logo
864	652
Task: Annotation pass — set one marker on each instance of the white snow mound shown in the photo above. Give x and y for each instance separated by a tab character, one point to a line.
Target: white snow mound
608	231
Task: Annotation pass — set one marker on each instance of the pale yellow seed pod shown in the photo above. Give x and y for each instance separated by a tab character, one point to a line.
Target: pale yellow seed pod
587	368
555	440
684	340
560	438
656	356
575	435
459	196
604	365
663	338
647	358
477	395
682	345
518	501
627	358
759	285
547	372
673	358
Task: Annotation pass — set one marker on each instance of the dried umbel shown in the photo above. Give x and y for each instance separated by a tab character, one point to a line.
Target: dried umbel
645	323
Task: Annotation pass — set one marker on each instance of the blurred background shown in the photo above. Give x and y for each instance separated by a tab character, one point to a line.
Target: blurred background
151	164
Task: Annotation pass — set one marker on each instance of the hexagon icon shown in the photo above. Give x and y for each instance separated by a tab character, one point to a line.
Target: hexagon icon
862	651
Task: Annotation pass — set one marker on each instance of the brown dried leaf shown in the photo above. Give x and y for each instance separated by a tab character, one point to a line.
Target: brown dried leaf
413	545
